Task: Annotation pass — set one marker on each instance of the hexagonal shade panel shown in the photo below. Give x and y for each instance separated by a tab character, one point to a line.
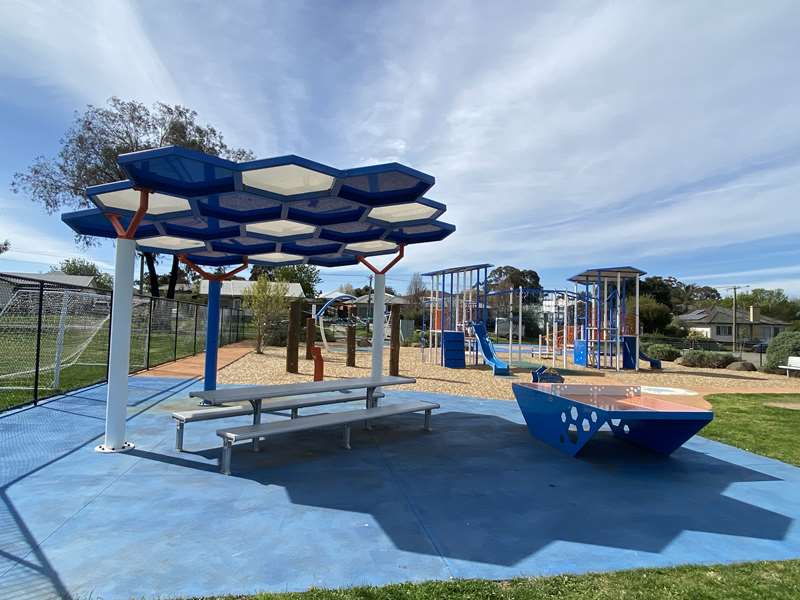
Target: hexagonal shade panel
277	257
399	213
282	210
287	180
168	242
280	228
369	247
158	204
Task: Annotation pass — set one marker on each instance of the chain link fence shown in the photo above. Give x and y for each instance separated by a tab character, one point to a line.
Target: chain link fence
54	337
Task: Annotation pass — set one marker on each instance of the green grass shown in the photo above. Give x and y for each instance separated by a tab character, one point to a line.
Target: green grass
743	421
20	350
747	581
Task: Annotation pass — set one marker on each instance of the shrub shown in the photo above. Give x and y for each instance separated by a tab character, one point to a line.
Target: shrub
783	346
703	358
662	352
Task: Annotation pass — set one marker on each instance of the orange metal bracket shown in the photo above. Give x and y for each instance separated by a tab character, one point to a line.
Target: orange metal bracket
212	276
385	269
130	232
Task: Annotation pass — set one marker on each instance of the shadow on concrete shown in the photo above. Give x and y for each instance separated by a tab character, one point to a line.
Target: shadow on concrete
33	438
483	490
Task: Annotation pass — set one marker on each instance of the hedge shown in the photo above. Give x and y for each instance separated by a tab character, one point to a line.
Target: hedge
702	358
783	346
662	351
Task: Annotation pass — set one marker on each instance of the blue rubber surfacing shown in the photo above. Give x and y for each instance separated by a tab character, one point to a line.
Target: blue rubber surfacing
478	497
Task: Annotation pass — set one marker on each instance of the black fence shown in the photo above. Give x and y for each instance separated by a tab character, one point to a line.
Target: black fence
55	337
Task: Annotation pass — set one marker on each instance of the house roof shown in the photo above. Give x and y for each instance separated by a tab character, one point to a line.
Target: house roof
236	288
723	316
58	277
284	210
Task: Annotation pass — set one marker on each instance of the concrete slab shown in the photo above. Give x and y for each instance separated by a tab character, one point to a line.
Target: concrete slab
478	497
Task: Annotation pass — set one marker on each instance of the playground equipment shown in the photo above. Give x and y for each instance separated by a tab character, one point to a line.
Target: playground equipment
606	338
457	297
567	416
319	316
487	351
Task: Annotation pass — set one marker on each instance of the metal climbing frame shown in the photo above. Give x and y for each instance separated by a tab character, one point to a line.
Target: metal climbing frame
456	296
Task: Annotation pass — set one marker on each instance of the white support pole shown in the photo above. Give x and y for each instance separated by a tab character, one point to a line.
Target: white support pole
119	350
431	304
575	317
519	324
378	308
636	358
606	347
618	295
564	338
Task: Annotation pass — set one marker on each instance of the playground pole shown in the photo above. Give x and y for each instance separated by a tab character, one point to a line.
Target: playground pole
564	342
606	329
619	316
554	330
636	358
519	328
510	326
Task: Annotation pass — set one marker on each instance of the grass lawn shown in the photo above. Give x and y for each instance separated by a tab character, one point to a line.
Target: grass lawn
774	580
743	421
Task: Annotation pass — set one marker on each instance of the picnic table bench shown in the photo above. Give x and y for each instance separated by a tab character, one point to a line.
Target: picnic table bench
270	398
794	365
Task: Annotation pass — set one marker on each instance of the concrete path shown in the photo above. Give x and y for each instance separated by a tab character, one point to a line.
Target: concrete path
477	497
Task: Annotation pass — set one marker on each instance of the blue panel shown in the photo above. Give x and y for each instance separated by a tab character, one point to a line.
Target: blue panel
453	346
580	353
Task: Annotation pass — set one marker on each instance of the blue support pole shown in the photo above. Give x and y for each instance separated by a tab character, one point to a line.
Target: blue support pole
212	334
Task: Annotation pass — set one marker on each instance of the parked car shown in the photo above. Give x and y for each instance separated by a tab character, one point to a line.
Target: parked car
760	347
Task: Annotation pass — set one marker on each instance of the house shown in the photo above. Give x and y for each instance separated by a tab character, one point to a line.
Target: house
716	324
234	289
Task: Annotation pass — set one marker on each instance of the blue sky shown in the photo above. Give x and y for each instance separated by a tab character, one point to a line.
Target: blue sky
562	135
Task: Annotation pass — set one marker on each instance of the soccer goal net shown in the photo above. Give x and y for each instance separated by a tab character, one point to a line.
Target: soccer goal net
69	330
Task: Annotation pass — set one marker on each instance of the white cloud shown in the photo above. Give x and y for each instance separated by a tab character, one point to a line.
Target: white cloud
86	50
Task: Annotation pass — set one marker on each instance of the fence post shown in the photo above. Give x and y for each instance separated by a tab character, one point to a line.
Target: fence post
175	342
38	345
196	310
149	332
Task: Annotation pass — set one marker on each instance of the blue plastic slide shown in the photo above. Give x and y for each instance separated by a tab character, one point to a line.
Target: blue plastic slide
654	362
487	350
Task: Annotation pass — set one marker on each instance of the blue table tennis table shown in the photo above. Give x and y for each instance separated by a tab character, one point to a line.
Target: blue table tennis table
566	416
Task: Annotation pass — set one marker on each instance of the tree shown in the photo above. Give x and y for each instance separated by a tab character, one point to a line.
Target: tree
306	275
80	266
5	246
89	150
415	294
654	317
267	301
656	287
503	278
347	288
772	302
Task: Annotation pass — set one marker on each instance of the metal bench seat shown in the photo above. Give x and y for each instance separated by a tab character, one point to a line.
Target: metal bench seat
794	365
250	432
293	403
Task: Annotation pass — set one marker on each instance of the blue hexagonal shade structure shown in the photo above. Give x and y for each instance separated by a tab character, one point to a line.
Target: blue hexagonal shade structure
276	211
